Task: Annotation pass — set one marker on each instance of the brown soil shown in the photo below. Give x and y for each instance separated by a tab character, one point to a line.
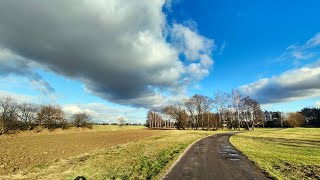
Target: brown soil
23	151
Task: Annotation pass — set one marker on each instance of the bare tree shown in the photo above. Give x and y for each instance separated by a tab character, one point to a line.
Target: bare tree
236	105
177	113
120	121
51	116
252	111
27	113
200	105
221	102
191	108
155	120
8	113
81	119
295	119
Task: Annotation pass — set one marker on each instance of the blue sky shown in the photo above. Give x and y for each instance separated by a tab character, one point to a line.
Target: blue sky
117	58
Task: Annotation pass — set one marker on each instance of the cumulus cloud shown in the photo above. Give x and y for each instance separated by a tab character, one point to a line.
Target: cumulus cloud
117	48
194	47
291	85
317	104
103	113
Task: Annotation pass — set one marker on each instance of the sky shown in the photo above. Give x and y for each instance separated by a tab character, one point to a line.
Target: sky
114	58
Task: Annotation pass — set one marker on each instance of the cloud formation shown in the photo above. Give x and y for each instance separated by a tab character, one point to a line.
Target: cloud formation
102	113
117	48
13	64
305	51
291	85
294	84
21	98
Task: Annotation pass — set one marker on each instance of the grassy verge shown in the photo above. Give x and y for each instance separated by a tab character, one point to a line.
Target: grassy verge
283	153
142	159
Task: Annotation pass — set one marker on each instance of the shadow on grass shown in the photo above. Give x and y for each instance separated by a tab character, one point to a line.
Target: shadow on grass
298	171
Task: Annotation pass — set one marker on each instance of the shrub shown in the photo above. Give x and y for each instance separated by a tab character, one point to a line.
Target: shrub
295	119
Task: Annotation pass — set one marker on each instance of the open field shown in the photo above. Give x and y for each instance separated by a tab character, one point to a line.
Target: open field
283	153
96	154
27	149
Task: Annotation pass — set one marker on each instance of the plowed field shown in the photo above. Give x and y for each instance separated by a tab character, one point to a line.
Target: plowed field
20	152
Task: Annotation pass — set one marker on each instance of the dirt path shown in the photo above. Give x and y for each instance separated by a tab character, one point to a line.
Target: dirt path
215	158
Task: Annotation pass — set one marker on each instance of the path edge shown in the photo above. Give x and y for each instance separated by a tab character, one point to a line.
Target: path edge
181	156
266	173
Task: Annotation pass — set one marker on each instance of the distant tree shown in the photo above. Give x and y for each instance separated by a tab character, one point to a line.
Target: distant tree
8	113
120	121
51	116
252	113
197	106
236	105
191	108
27	113
81	119
154	119
312	116
177	113
295	119
222	101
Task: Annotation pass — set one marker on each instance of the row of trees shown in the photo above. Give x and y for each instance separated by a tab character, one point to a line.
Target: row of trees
231	110
309	117
227	110
26	116
158	120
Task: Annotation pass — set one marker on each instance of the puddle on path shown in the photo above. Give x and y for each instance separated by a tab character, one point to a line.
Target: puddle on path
229	153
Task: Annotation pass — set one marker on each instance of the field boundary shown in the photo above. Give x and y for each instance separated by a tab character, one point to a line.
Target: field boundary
181	155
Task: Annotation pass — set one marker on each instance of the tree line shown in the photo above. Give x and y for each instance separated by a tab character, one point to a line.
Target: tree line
26	116
227	110
307	117
231	111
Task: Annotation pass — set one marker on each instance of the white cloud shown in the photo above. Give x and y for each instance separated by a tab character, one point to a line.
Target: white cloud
190	43
117	48
22	98
223	46
194	47
313	42
291	85
305	51
103	113
317	104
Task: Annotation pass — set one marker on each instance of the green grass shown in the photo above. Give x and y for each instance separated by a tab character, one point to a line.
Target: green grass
283	153
141	159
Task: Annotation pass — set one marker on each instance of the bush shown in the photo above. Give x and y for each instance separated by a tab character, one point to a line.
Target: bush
295	119
81	120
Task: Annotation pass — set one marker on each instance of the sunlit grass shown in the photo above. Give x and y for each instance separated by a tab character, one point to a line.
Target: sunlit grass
283	153
148	158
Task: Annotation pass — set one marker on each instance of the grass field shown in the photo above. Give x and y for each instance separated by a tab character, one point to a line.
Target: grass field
283	153
106	152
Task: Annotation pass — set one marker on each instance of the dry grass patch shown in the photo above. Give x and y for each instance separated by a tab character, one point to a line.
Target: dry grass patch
146	158
28	149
